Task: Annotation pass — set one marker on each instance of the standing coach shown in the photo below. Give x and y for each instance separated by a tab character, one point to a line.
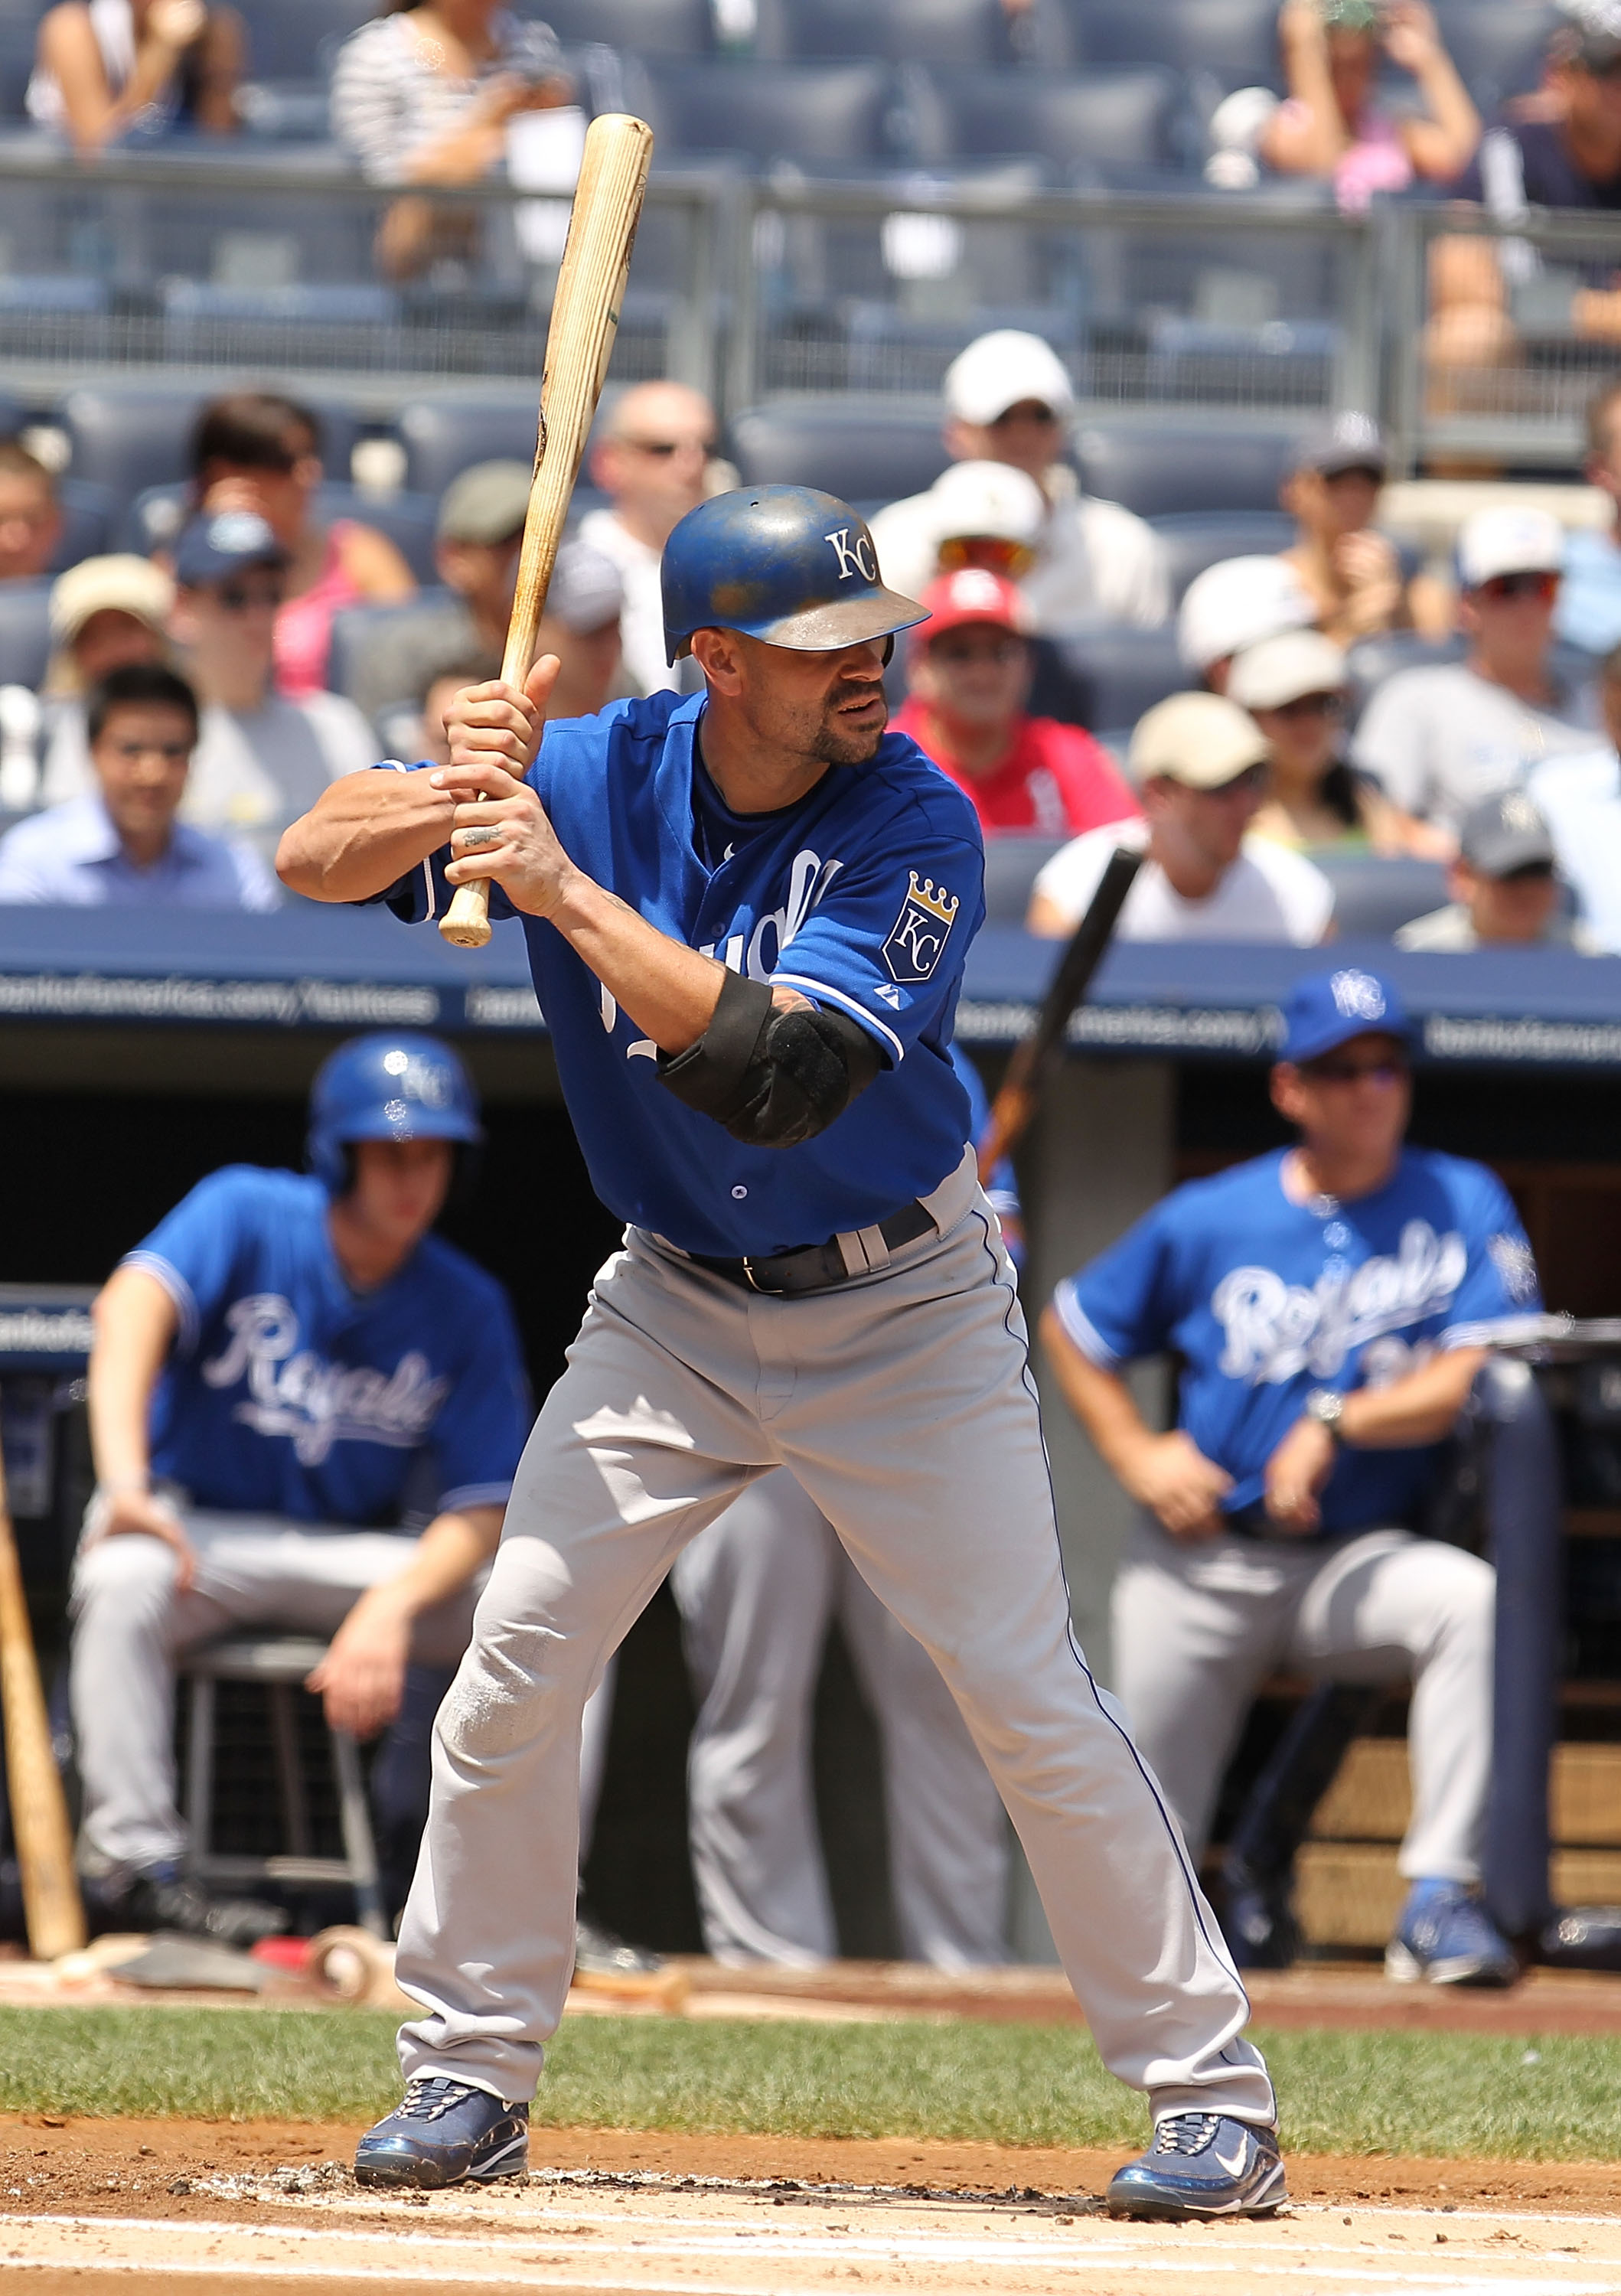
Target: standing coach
745	914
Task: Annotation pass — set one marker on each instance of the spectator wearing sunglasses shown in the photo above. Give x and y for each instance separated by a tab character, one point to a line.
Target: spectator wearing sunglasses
1294	687
652	461
1440	738
971	667
1009	400
262	758
1504	886
1199	763
121	845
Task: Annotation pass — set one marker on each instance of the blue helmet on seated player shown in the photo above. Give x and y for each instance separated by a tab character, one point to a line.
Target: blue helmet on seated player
785	564
397	1085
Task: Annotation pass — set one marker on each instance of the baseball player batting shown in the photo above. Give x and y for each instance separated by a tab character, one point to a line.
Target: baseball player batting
747	912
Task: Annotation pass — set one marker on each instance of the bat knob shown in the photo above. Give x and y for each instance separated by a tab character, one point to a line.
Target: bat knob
465	924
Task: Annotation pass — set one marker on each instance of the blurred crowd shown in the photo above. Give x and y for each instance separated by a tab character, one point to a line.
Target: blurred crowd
1345	707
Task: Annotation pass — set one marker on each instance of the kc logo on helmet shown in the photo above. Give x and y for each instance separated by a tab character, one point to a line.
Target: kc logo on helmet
856	559
918	939
1357	996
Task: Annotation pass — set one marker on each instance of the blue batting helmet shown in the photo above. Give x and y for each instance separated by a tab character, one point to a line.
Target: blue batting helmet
786	564
400	1087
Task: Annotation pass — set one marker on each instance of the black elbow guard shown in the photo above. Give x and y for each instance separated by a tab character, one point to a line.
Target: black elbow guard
771	1079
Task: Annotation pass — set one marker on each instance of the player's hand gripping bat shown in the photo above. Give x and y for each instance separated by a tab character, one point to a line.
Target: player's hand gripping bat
580	343
1035	1056
50	1903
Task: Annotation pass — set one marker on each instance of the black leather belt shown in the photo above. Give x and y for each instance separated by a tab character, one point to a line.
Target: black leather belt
815	1267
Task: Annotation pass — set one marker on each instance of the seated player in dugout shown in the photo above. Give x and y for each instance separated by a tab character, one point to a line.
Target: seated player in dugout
1334	1305
280	1369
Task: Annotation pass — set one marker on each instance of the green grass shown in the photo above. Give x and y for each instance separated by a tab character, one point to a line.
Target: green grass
1355	2092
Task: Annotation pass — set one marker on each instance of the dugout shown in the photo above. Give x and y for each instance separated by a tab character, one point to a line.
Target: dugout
135	1058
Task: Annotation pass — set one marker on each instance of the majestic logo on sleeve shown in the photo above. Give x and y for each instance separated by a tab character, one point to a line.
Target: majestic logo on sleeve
1276	1330
316	1403
917	938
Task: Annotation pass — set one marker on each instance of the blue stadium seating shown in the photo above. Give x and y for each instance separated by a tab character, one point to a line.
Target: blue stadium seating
1498	45
25	632
1069	121
154	518
88	513
1123	672
13	415
356	625
296	39
1011	866
1235	41
1374	894
1155	470
128	437
767	111
1195	539
896	32
862	449
449	433
649	28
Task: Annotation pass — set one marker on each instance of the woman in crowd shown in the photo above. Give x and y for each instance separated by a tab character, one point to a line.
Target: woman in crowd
107	69
254	451
1294	687
423	96
1331	126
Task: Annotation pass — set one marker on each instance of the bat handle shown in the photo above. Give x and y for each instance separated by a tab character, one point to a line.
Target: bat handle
465	923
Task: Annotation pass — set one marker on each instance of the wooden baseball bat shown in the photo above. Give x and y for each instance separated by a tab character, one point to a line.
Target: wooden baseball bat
1015	1105
50	1903
580	344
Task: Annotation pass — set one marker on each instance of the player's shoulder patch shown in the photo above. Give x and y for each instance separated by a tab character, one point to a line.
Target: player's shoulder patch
918	936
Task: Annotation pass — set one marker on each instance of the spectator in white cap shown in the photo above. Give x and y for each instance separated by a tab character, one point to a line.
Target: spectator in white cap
1440	738
1009	400
1233	605
106	614
1294	687
986	516
1504	886
1354	574
1199	763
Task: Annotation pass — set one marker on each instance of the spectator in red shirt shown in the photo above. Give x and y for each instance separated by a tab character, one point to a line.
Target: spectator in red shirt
970	672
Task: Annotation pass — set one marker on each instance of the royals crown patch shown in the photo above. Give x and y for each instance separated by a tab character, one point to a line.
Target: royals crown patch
918	938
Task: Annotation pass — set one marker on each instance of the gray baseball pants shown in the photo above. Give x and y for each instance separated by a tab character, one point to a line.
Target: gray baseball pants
902	1402
130	1629
755	1592
1199	1625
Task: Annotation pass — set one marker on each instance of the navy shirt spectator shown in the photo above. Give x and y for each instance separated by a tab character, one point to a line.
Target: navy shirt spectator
122	845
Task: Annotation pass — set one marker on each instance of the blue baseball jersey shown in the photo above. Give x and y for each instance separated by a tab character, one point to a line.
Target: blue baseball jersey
863	896
1265	1299
286	1392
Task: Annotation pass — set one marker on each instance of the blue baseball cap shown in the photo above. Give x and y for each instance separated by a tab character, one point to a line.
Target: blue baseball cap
1326	1009
217	544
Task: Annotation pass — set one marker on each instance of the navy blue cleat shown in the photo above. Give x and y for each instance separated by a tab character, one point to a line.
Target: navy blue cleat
443	2134
1201	2164
1446	1936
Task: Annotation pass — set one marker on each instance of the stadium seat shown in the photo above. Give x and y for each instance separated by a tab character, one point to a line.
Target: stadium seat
155	518
281	326
1374	660
862	449
1123	673
128	436
647	28
88	513
356	625
25	632
900	31
295	39
1011	865
1070	120
767	112
1193	540
1498	45
443	436
1155	470
13	415
1375	895
1235	41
